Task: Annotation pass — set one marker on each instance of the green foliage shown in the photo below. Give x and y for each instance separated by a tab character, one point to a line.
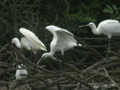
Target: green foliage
80	64
79	17
113	11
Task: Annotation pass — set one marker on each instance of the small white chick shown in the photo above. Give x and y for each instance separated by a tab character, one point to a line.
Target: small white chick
21	73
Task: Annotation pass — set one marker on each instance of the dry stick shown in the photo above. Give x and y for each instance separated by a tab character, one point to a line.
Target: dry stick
59	86
36	67
67	64
17	83
93	66
112	64
107	74
117	54
58	81
30	63
101	85
68	76
4	64
31	82
27	82
3	83
54	83
28	86
4	47
97	65
73	67
77	71
80	81
69	85
103	61
92	49
41	59
77	86
95	74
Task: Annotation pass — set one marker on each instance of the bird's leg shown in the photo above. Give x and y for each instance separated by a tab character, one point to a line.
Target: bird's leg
62	63
38	61
109	47
62	51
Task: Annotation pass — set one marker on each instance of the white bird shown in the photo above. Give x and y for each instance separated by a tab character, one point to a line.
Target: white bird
107	27
21	73
62	40
30	41
16	41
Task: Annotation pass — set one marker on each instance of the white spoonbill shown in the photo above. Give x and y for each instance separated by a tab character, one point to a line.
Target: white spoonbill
21	72
107	27
30	41
62	40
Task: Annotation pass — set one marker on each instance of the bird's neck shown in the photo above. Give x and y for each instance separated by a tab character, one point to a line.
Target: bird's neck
48	54
95	30
51	53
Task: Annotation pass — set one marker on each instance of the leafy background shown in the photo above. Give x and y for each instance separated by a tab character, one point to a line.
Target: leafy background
88	67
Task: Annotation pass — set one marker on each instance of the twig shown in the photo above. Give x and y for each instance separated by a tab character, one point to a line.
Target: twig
107	74
103	61
80	81
4	47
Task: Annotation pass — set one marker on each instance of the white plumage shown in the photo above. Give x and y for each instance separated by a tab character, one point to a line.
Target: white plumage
107	27
62	40
16	41
21	73
33	39
25	43
30	41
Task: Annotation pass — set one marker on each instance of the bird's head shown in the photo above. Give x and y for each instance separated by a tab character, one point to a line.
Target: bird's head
52	27
87	25
45	55
21	66
16	42
22	30
91	24
92	27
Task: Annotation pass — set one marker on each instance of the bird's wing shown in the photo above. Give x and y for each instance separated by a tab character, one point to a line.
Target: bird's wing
106	23
25	43
32	38
65	38
62	39
112	28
